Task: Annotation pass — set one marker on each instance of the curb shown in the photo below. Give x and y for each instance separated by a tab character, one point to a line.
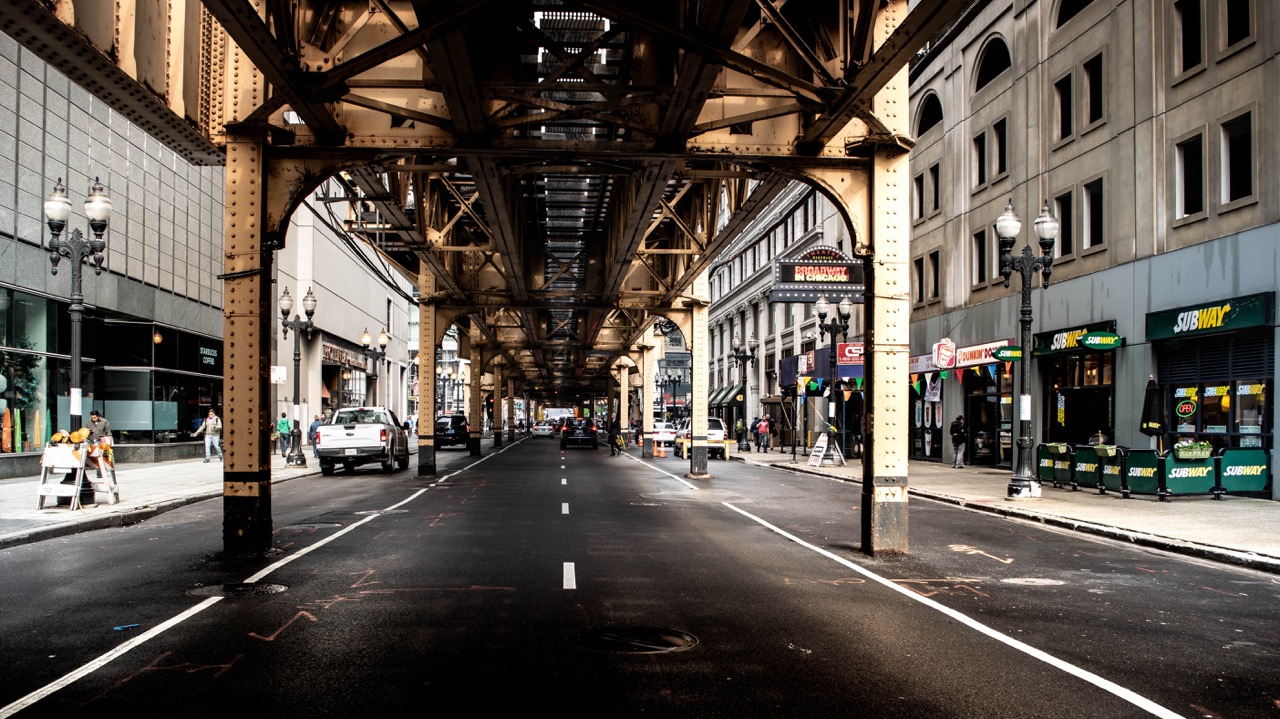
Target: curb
1210	552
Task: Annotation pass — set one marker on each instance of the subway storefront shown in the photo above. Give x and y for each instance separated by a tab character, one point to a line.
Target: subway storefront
1215	365
1077	368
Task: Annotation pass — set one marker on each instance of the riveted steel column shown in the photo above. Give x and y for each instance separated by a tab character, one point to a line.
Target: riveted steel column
477	401
624	391
646	399
888	308
497	402
428	339
511	407
247	328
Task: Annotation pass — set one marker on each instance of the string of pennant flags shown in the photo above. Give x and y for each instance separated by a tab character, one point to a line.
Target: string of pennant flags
927	377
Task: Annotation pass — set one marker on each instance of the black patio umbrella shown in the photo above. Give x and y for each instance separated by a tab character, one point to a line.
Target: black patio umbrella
1152	410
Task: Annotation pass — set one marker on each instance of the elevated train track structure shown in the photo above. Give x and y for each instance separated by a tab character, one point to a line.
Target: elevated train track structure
556	177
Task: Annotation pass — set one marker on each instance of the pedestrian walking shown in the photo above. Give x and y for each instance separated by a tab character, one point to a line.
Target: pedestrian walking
762	433
315	427
959	438
283	428
615	434
211	428
99	433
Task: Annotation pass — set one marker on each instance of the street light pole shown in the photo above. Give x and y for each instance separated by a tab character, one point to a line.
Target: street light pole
744	354
296	456
839	325
383	340
77	248
1024	484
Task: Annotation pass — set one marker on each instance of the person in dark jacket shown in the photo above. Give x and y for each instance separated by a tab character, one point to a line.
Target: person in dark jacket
959	437
615	433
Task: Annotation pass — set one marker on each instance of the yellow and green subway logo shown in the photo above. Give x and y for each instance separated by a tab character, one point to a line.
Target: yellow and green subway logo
1206	318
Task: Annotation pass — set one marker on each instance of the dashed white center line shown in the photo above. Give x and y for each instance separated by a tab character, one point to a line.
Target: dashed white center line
564	508
570	577
564	480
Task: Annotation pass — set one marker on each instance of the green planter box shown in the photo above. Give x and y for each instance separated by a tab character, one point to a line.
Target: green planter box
1105	450
1057	447
1192	452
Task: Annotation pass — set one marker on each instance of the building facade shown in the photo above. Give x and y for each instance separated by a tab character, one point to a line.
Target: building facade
152	347
1139	125
799	221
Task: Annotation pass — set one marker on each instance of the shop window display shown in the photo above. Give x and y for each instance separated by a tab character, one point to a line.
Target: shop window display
1225	414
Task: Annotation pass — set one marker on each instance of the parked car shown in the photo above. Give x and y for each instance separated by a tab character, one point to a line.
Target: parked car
580	432
362	435
544	428
717	439
664	433
452	430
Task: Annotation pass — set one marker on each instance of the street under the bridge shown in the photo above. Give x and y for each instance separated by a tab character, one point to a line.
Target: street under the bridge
573	581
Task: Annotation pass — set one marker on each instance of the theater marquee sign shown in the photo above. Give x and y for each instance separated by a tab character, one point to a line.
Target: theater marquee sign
818	272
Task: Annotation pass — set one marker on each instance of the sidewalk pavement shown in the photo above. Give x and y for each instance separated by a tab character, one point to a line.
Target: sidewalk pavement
146	490
1236	530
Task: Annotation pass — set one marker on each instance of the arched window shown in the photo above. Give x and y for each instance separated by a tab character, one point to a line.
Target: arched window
930	113
995	60
1069	9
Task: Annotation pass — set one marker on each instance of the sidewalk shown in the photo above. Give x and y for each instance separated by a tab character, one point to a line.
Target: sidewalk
145	491
1236	530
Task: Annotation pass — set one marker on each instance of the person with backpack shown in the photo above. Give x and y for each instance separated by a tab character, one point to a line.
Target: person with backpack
959	437
211	428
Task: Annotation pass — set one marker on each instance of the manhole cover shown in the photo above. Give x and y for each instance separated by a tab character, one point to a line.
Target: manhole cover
384	511
1034	582
236	590
635	640
312	526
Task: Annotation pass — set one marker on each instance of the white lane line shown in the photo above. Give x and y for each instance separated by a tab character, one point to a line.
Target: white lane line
174	621
570	576
658	469
562	466
1106	685
564	508
564	480
103	660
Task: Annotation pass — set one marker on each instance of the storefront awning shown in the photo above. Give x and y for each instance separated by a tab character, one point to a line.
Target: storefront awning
726	396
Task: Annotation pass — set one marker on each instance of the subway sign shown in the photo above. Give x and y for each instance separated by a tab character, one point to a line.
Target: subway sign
1211	317
821	271
1091	337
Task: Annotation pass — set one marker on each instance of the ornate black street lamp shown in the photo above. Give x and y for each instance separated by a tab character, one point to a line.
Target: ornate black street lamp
296	457
839	325
670	384
744	354
77	248
1024	484
376	355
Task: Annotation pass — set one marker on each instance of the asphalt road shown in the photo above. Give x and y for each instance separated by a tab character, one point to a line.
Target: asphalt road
578	583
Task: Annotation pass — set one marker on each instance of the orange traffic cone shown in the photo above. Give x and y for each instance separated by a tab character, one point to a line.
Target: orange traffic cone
659	450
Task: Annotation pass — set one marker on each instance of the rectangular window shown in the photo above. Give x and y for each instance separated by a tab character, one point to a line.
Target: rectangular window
1237	158
1094	216
935	275
1063	92
1190	176
1093	90
919	196
1065	210
980	263
935	179
1237	24
980	159
919	277
1189	31
1000	160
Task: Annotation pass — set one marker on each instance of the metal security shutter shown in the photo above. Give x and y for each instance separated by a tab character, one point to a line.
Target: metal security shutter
1238	356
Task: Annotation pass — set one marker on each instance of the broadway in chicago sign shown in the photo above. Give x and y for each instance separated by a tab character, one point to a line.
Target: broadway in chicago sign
820	271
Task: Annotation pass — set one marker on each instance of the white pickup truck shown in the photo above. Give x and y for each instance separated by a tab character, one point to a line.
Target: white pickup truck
362	435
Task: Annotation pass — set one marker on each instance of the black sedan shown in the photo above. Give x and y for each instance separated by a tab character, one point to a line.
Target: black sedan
580	432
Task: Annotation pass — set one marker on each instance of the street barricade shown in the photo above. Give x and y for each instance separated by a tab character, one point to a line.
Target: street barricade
1144	471
1086	468
1243	471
